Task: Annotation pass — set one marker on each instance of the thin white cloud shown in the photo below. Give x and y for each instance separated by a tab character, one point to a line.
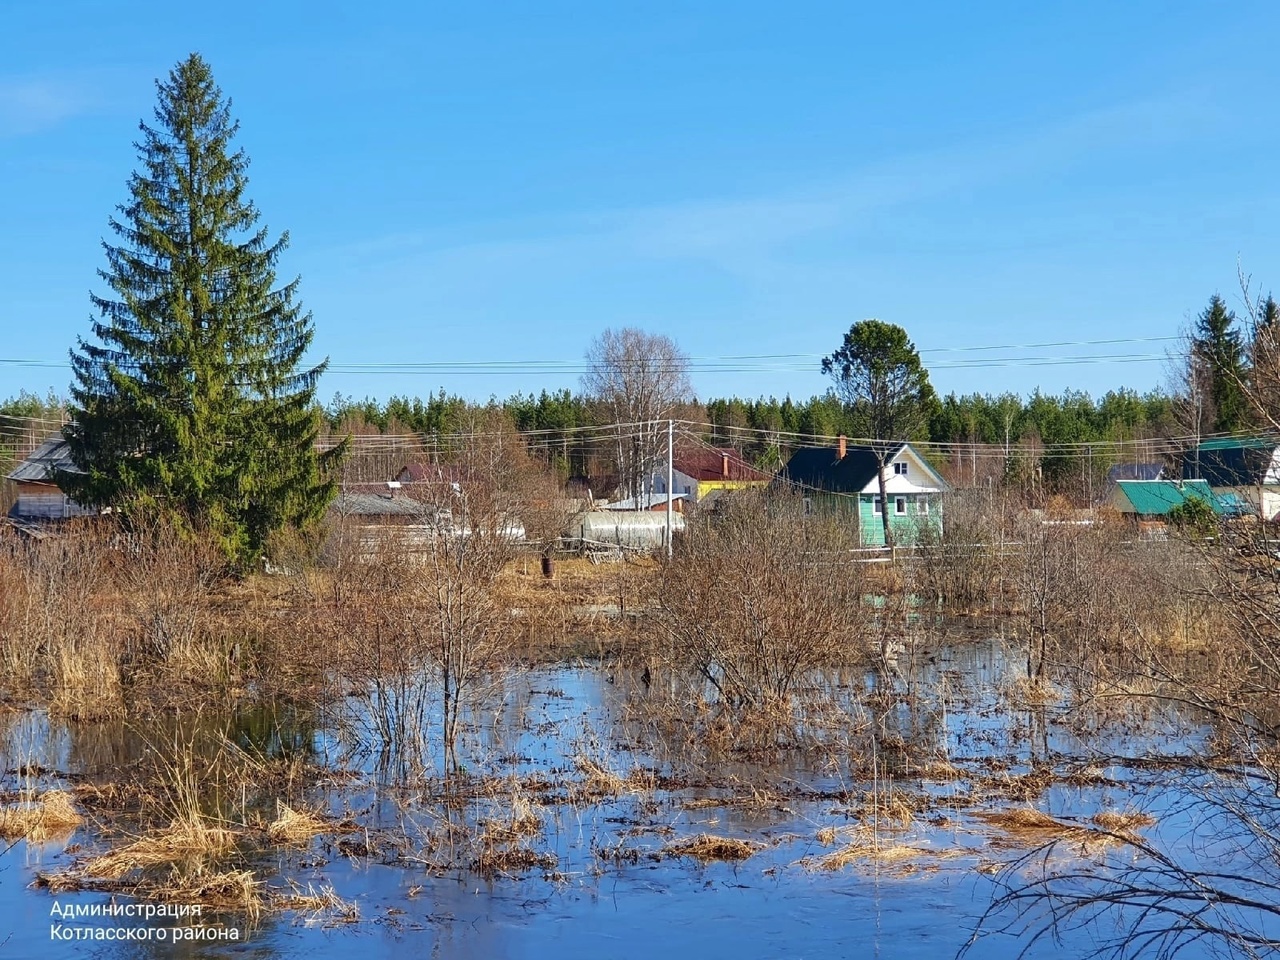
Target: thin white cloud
33	105
747	237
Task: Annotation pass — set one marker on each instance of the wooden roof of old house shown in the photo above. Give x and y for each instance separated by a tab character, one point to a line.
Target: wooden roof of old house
46	461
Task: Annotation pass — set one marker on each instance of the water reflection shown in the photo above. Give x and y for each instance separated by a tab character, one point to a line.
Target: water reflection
949	704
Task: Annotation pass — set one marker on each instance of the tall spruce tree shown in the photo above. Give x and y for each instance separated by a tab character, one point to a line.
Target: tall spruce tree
193	401
1217	351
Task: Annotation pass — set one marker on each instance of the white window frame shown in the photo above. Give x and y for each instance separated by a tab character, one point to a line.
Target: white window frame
922	506
876	506
899	506
900	469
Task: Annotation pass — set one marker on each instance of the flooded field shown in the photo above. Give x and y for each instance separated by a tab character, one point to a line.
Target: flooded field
588	821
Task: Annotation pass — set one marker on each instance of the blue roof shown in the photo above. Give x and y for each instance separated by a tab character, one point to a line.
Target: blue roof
1136	471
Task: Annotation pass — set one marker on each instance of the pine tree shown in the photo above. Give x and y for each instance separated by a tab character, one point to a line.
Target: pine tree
192	401
886	390
1217	353
1264	356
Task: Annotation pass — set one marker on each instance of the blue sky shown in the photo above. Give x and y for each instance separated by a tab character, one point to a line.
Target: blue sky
501	182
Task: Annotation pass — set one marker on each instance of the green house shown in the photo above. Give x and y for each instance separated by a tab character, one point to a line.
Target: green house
846	478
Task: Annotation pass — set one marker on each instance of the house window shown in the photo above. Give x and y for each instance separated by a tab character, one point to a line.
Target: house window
900	505
922	507
876	507
900	469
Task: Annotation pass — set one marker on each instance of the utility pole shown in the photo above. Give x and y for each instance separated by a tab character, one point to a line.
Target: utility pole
671	429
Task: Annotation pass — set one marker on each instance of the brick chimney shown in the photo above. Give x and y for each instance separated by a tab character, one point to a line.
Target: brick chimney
841	446
724	465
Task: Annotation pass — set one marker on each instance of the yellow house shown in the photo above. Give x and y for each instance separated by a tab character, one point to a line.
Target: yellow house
696	473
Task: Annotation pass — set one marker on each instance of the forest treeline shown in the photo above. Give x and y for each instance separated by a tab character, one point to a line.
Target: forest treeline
767	429
1060	443
1069	417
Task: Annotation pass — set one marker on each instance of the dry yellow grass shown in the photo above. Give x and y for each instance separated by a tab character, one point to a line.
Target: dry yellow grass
597	780
522	822
184	840
1032	827
1024	819
756	799
878	853
706	847
296	827
51	815
890	811
1033	693
865	846
940	770
1025	786
226	889
324	900
1123	822
514	860
704	803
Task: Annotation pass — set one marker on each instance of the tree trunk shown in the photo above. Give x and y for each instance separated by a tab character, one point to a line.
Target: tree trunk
884	502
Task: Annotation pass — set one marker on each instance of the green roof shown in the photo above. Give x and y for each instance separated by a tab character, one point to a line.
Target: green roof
1233	443
1155	498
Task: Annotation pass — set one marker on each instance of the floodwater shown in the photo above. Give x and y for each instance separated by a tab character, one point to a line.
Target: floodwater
615	890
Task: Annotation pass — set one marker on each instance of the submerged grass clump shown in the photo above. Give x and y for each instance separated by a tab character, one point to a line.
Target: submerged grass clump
219	889
318	901
1026	826
296	827
1123	822
512	860
51	815
864	845
707	847
183	840
599	781
521	822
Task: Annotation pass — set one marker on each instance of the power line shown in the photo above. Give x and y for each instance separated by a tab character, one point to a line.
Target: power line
732	363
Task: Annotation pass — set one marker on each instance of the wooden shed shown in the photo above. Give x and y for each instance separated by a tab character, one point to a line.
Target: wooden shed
39	497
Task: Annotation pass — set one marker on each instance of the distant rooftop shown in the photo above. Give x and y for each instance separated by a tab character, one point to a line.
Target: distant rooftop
647	502
1235	443
45	462
1155	498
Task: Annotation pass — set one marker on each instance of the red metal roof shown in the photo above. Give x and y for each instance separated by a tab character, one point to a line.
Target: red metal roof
710	464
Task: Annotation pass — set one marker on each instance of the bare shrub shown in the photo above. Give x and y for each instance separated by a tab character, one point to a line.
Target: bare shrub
759	596
373	627
960	567
1079	587
166	581
1193	624
419	615
58	630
